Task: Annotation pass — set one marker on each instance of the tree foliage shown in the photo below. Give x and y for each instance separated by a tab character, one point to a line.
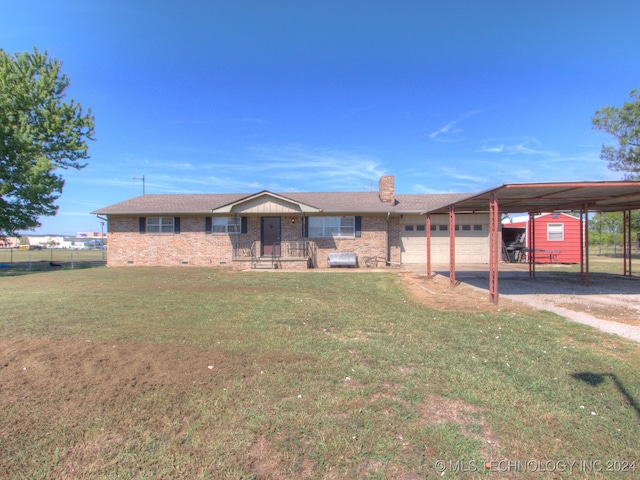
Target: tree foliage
624	124
606	228
40	133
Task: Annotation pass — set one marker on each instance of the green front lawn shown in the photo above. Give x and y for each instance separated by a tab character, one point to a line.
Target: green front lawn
299	375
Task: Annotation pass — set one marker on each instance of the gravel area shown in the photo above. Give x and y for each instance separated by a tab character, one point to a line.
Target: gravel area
610	303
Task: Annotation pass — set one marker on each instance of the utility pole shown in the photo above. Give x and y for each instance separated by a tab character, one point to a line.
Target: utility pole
143	184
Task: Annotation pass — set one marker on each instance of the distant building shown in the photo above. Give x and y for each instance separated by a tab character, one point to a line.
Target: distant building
9	242
557	237
90	235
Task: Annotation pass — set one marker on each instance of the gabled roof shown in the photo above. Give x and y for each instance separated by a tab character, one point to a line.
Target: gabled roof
508	220
266	197
327	202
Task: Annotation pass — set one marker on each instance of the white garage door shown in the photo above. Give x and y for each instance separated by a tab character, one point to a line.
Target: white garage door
472	240
414	245
413	240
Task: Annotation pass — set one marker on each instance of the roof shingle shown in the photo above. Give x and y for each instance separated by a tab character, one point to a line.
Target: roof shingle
328	202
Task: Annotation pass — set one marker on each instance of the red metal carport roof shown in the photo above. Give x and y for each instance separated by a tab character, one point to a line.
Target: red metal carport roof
550	197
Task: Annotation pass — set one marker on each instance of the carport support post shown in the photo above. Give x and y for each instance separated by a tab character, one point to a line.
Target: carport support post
452	245
630	243
626	240
532	245
428	229
584	245
494	247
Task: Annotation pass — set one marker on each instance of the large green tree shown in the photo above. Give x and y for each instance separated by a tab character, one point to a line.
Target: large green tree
40	133
624	124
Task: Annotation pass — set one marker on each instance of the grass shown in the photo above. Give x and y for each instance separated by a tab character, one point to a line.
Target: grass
13	261
314	375
601	260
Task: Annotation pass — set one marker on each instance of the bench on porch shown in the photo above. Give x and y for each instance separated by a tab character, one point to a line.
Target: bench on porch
342	259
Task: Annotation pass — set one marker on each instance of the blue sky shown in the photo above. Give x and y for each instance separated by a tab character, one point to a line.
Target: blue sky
243	96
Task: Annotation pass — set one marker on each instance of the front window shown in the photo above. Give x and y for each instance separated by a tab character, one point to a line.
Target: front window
160	224
225	225
332	226
555	232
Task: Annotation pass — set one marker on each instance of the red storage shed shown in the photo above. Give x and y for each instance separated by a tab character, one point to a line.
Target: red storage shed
557	237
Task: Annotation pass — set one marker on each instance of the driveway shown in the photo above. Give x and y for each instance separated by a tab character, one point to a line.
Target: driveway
610	303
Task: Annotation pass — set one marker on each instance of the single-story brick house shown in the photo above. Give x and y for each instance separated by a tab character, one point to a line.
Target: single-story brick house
288	230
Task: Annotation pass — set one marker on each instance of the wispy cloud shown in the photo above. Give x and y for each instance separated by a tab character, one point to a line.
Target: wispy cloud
524	147
297	166
449	132
283	168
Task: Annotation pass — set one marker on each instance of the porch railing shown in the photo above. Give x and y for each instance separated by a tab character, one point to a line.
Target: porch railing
288	249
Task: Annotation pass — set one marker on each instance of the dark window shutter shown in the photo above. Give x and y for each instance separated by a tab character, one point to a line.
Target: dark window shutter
207	225
305	227
243	225
176	225
143	225
358	226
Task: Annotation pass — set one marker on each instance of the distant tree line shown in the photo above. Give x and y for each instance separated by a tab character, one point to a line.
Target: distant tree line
606	229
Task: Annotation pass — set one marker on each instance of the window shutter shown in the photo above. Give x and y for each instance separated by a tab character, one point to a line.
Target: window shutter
243	225
207	225
358	225
176	225
305	227
143	225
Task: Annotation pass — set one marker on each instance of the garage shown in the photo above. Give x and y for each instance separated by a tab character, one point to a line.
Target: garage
472	238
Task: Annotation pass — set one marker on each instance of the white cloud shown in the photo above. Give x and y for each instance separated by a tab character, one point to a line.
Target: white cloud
449	128
449	133
494	149
306	168
280	168
527	147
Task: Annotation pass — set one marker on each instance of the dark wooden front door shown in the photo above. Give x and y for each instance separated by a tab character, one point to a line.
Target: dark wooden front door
270	235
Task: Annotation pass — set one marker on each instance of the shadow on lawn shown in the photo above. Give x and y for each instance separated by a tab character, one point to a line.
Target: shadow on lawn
595	379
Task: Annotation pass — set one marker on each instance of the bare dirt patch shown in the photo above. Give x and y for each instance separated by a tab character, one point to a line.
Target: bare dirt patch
609	297
44	378
437	410
438	293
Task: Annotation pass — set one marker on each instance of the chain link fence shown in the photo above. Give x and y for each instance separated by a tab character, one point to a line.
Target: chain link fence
51	258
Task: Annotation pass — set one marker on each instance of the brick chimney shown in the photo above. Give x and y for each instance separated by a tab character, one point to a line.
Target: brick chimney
386	189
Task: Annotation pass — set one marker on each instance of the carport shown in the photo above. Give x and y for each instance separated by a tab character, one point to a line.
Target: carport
536	198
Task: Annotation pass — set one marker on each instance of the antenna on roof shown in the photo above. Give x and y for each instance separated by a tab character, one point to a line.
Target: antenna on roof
143	184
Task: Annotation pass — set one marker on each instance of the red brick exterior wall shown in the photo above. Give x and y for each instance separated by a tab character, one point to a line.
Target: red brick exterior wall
194	247
371	243
395	244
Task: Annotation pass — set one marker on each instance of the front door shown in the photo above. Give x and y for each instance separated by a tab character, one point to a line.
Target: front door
270	235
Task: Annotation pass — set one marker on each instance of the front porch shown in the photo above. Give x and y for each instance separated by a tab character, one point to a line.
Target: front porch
288	254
